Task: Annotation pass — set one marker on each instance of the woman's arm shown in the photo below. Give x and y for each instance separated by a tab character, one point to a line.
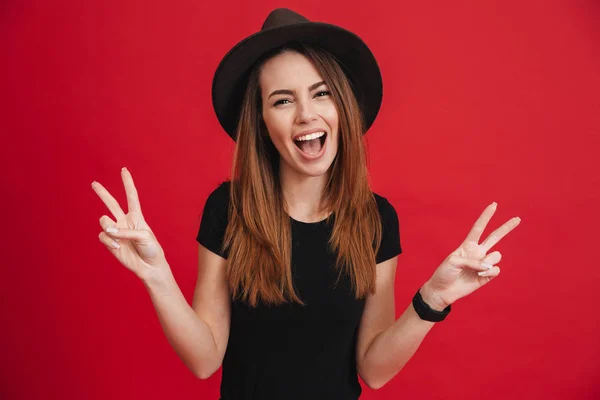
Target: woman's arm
199	335
391	349
384	344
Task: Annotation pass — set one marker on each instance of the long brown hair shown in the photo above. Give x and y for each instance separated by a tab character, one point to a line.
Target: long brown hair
259	232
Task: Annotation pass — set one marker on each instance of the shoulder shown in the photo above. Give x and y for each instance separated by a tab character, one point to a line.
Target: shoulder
218	199
221	192
386	209
390	241
217	203
215	220
381	201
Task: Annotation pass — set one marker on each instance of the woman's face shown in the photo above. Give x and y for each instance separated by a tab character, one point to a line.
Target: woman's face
296	103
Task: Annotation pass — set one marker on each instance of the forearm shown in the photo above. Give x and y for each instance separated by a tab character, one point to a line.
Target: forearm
190	337
391	349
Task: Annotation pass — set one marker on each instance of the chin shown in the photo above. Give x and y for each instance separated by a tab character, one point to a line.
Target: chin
314	172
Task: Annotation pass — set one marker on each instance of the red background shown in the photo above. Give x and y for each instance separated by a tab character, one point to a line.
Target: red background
483	101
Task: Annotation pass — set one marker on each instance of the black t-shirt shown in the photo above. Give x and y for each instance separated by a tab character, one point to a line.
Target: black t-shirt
290	351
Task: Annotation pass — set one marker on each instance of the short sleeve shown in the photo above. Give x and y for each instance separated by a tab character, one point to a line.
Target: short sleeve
390	241
214	221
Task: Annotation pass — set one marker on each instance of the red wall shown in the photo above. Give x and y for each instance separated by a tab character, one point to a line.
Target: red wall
483	101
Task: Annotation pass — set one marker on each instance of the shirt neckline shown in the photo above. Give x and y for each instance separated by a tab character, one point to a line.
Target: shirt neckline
308	223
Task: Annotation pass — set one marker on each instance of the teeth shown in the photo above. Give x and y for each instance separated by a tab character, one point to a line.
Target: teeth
311	136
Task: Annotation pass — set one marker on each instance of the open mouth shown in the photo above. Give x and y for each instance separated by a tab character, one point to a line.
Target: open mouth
312	146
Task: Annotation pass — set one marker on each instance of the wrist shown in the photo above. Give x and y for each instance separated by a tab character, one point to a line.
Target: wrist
432	298
159	279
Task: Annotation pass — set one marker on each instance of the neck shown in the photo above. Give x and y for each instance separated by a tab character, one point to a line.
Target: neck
303	195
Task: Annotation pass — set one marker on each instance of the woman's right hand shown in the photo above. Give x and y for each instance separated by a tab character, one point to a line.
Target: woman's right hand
138	250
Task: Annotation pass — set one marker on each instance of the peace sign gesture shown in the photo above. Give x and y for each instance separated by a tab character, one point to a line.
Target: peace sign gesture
129	238
469	267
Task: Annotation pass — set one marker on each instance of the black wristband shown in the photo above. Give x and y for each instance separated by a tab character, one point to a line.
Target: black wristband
427	313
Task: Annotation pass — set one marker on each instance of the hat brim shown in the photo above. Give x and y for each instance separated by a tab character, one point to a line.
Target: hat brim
353	55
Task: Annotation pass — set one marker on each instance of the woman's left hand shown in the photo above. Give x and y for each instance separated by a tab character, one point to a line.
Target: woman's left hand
458	275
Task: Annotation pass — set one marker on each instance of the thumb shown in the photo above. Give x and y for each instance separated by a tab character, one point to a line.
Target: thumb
138	235
461	263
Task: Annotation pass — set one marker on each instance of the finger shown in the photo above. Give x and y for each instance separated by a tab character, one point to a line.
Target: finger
479	226
133	201
493	258
131	234
462	263
107	222
490	273
499	233
108	200
108	242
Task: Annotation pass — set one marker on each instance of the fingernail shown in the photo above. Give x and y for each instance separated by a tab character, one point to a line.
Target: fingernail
486	265
495	204
482	273
112	230
124	169
115	244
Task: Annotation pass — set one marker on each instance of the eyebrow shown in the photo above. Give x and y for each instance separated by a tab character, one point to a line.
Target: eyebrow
287	91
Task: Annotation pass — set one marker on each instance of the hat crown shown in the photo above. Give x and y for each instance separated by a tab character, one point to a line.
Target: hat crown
281	17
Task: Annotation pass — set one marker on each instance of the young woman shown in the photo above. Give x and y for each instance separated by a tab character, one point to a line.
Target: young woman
297	256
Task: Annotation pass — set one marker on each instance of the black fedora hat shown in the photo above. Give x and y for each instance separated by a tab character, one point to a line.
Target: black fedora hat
281	26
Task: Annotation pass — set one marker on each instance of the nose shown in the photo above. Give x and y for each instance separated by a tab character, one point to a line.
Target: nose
305	112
